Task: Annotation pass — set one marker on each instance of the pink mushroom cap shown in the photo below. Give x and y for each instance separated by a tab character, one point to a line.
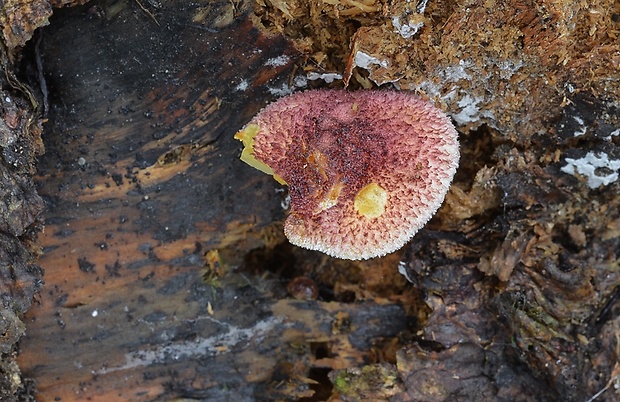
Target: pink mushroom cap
365	169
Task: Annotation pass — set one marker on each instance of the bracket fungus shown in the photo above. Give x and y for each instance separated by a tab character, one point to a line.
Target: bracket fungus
365	169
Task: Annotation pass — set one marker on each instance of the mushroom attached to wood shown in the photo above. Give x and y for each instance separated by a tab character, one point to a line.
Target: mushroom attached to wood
365	169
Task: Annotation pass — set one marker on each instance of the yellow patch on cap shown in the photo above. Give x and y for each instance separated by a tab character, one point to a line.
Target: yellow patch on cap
370	201
246	135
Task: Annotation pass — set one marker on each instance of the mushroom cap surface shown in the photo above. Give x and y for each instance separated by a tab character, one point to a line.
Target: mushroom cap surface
365	169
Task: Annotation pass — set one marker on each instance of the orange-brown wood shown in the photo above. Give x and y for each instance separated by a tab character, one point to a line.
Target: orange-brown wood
149	211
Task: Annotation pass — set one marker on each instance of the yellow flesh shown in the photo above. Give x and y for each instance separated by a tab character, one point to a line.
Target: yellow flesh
246	135
370	201
330	199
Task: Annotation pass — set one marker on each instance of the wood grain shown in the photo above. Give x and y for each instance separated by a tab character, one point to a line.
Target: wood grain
141	180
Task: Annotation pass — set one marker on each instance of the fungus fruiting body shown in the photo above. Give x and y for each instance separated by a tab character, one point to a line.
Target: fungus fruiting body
365	169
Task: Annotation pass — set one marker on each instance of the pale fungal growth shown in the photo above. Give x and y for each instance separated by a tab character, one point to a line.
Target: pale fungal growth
599	169
365	169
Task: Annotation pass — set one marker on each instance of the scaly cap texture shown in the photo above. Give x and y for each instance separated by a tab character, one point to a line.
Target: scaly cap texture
365	169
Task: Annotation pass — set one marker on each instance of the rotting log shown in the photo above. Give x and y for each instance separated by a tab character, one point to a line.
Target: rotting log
20	206
519	268
148	209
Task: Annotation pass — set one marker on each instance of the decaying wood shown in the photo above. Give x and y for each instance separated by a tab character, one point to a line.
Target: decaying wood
148	209
166	270
20	206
